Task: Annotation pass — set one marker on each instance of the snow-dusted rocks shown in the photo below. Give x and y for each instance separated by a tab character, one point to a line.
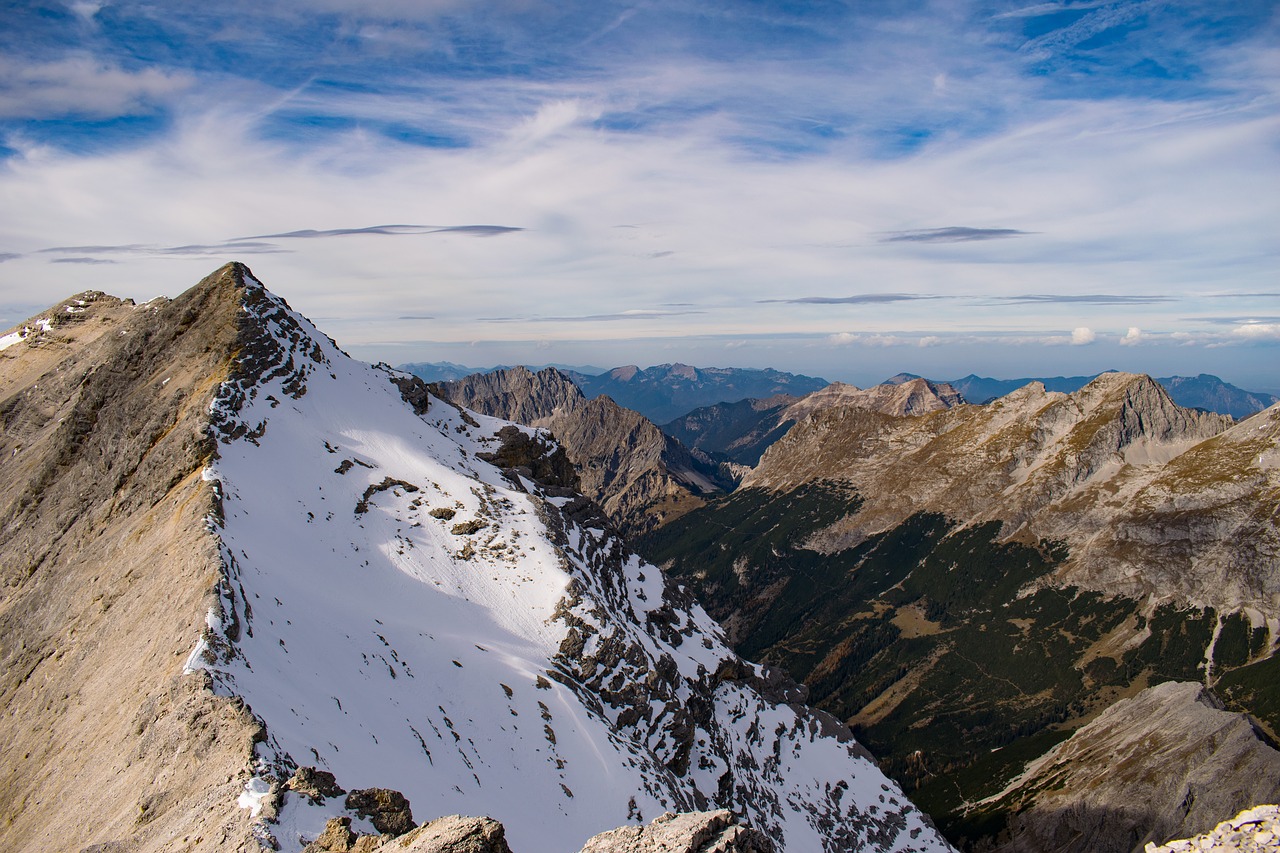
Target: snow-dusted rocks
1255	830
510	658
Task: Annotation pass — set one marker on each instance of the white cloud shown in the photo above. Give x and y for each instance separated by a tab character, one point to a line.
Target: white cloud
1082	336
82	87
86	9
1133	337
1257	332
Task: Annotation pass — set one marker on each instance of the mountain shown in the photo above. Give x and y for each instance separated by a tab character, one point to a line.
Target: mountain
1211	393
448	371
666	391
243	572
638	475
1193	392
982	389
737	432
1210	760
740	432
968	587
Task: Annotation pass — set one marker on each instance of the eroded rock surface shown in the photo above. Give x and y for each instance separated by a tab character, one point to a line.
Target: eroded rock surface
698	832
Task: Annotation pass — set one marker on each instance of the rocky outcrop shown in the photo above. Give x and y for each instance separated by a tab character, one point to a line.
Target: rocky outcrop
1166	763
638	475
1255	830
453	834
910	397
387	810
698	832
692	832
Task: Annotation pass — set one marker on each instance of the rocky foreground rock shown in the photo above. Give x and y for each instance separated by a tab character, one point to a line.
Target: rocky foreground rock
691	832
1255	830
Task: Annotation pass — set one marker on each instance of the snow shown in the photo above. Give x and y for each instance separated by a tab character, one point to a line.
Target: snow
12	338
255	791
377	643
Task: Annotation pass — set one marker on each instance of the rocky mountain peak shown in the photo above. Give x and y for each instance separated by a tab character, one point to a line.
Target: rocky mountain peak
517	394
231	552
911	396
625	373
638	475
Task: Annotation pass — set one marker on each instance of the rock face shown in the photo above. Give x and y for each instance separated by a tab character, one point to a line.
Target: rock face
967	587
105	569
666	391
1255	830
738	432
909	397
638	475
226	558
741	432
1167	763
1050	466
702	832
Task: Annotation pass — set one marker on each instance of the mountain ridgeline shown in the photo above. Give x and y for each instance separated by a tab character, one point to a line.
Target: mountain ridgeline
971	587
640	476
258	595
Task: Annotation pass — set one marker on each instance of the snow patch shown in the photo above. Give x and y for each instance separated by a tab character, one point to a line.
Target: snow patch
255	791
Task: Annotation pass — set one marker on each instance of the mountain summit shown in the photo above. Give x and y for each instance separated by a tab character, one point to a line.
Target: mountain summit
244	572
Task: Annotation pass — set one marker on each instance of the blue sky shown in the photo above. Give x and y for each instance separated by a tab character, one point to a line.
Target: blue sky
841	189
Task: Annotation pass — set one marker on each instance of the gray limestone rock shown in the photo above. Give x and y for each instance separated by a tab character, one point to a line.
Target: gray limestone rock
693	832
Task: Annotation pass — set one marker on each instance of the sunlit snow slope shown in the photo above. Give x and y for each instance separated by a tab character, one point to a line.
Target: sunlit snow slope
404	615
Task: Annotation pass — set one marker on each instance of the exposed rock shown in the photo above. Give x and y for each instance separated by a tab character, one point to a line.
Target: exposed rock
1167	763
1255	830
105	579
639	476
696	832
336	838
388	810
739	432
452	834
315	785
1104	469
912	397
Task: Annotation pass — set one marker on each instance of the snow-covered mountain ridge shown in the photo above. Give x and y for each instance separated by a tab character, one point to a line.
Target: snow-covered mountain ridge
403	614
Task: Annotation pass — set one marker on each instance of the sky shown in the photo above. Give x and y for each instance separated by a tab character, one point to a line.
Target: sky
841	189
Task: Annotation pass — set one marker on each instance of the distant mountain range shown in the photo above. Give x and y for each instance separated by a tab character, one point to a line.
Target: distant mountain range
1195	392
660	393
666	392
448	371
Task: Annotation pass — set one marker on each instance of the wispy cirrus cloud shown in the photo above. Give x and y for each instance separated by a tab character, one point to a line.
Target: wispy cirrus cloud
859	299
633	315
394	230
83	86
952	234
1082	299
